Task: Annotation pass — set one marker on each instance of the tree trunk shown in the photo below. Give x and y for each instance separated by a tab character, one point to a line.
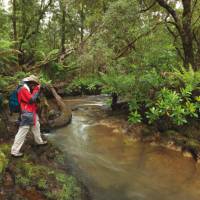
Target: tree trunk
197	61
184	29
114	101
186	35
14	20
63	21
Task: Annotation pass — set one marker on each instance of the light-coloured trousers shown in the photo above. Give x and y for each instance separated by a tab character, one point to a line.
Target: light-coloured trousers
21	136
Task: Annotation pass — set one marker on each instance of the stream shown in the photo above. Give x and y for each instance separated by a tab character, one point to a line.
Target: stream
114	167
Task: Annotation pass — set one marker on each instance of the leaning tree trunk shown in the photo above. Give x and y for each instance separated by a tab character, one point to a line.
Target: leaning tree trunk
65	116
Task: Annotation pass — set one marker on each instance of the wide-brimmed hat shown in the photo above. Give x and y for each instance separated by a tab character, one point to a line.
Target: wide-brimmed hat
31	78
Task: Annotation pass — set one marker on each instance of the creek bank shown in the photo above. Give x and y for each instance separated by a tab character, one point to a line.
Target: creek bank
171	139
185	139
42	174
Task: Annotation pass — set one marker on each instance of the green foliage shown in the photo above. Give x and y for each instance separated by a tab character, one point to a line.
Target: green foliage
69	187
189	78
108	46
12	81
153	114
171	104
42	184
23	181
5	148
60	159
8	55
117	83
135	117
161	53
90	83
55	184
44	80
175	101
3	163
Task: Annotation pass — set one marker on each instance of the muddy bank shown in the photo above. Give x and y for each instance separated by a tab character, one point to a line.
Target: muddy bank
185	140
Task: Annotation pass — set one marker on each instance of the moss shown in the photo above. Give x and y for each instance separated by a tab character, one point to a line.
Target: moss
3	162
22	181
42	184
32	171
5	148
192	145
68	189
170	134
41	168
146	132
3	165
55	184
180	141
3	129
60	159
191	130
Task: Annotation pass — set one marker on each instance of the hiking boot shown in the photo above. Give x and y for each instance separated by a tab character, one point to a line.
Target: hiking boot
17	155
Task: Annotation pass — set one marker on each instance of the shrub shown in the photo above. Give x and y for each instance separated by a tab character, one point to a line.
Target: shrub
175	101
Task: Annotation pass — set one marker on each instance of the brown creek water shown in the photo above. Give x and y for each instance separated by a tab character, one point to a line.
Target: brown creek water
114	167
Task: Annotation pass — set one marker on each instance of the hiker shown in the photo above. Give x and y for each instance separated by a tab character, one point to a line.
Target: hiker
27	95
